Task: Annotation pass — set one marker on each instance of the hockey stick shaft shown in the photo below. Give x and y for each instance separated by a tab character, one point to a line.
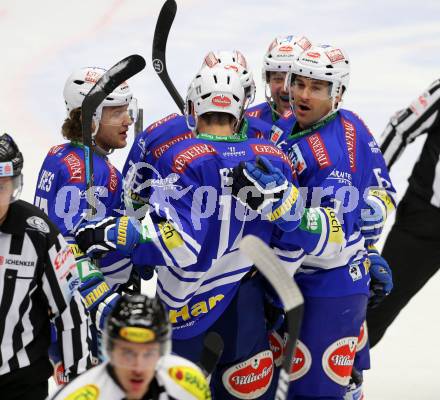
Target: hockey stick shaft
273	270
163	27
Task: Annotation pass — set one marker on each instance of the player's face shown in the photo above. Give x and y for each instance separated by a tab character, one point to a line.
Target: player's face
134	365
113	127
311	100
279	95
6	190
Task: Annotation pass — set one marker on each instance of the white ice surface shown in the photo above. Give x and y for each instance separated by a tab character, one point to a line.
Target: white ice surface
394	49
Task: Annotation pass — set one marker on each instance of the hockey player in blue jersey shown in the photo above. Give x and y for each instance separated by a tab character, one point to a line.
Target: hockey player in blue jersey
61	184
334	154
151	144
276	64
194	228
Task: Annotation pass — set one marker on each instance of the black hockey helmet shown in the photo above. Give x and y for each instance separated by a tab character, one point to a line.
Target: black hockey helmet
9	153
139	319
11	164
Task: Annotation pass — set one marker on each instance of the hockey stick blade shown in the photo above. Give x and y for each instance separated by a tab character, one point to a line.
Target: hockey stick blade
271	268
108	82
163	27
212	351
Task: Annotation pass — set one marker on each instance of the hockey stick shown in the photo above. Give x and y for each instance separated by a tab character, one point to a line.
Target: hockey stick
211	353
108	82
271	268
163	26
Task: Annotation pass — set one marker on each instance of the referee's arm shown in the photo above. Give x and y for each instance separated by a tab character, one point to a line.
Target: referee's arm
407	124
60	281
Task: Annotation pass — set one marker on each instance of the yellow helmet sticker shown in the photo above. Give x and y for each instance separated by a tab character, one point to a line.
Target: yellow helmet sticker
137	335
88	392
192	381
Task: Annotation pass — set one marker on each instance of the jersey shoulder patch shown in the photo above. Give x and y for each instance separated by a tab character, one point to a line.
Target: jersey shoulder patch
154	125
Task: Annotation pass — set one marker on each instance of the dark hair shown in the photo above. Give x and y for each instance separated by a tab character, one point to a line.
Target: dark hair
217	118
72	129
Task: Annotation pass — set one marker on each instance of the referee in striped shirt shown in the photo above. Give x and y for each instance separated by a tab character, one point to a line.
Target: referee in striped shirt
412	248
37	285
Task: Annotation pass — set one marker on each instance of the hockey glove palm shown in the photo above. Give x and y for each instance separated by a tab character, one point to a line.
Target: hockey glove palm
264	188
381	278
97	238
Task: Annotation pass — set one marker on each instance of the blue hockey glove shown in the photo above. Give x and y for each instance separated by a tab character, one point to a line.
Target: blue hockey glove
97	238
262	187
381	278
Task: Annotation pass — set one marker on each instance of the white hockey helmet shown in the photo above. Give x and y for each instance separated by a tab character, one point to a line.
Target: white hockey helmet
236	61
326	63
215	89
281	52
80	82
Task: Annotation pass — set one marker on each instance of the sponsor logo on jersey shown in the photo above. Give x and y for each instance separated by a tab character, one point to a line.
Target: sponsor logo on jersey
20	262
297	159
319	150
276	347
63	255
336	235
196	309
314	54
154	125
159	150
255	113
350	140
88	392
363	337
113	178
55	149
265	149
191	380
341	176
355	272
221	101
75	166
304	43
287	114
311	221
187	156
275	134
136	334
374	147
232	152
335	55
251	378
170	236
38	223
301	362
6	168
338	358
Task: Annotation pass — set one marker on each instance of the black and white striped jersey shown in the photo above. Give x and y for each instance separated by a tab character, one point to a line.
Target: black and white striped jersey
38	280
422	116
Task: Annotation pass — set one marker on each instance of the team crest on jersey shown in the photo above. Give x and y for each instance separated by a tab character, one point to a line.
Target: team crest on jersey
75	166
338	358
297	159
363	337
154	125
89	392
191	380
350	140
187	156
251	378
38	223
319	150
301	362
159	150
